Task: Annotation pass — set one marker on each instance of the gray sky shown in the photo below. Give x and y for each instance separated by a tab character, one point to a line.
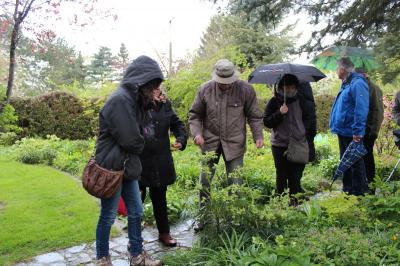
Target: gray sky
143	25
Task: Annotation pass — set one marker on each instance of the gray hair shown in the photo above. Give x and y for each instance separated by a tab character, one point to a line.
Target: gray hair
346	63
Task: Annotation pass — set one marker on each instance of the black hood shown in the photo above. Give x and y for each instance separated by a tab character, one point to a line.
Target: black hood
140	71
289	100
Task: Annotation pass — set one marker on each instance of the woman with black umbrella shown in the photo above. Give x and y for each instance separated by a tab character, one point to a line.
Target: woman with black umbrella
289	114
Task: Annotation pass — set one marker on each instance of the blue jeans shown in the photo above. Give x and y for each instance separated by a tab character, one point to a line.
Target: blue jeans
131	195
354	179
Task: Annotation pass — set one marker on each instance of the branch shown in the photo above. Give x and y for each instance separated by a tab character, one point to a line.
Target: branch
26	10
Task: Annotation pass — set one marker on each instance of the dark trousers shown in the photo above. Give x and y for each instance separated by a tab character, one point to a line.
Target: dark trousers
369	160
206	176
354	179
158	196
288	174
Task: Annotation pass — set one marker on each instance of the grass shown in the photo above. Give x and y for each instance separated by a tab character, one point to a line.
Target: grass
41	210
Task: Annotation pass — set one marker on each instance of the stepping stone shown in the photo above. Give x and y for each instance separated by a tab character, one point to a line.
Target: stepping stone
120	262
76	249
50	258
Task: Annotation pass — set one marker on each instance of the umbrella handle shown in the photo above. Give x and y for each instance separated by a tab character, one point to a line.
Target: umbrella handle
284	92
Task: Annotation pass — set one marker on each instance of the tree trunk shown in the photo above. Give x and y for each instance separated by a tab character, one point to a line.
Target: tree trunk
11	69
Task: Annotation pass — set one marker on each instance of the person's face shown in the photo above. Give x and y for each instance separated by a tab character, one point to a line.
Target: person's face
341	72
156	93
290	90
149	93
224	87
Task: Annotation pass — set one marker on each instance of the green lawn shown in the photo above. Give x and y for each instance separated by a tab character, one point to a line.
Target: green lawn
41	210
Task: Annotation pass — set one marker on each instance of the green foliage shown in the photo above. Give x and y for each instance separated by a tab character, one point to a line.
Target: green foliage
100	69
386	204
328	166
385	165
46	66
254	41
8	122
57	113
323	104
66	155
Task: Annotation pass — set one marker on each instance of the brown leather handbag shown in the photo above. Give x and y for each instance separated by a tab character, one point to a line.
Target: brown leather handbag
100	182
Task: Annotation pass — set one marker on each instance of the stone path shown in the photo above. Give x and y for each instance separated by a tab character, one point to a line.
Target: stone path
85	254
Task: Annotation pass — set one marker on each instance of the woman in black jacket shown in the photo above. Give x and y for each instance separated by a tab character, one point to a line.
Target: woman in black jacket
158	166
123	121
289	114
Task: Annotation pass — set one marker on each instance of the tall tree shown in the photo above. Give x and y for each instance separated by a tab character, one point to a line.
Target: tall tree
354	22
16	14
258	44
101	67
123	56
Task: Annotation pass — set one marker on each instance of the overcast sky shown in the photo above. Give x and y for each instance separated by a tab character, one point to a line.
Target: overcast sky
143	25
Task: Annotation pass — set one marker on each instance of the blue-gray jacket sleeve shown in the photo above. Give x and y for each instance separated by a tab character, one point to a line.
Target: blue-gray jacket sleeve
360	94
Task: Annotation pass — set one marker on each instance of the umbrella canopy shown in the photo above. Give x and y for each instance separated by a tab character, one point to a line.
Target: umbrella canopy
354	152
360	58
271	73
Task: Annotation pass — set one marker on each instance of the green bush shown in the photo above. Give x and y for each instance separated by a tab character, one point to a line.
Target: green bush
31	157
328	166
323	104
58	113
67	155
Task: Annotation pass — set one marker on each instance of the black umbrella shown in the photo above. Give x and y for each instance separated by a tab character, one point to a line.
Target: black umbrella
271	73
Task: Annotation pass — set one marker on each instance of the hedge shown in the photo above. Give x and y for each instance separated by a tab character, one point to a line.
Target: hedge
58	113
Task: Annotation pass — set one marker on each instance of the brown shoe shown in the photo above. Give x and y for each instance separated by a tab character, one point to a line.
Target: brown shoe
144	259
167	240
104	261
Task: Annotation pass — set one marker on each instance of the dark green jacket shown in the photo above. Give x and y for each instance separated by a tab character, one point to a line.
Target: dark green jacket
396	108
375	113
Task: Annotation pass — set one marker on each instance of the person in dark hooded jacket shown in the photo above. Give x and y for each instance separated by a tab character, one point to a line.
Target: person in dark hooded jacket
289	113
157	162
124	123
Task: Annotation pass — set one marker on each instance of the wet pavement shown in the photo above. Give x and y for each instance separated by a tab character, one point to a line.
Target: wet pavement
85	254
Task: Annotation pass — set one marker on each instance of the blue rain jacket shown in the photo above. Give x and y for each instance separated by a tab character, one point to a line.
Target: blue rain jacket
350	110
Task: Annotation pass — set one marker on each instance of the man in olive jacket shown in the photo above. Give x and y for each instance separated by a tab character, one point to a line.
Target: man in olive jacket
217	121
374	122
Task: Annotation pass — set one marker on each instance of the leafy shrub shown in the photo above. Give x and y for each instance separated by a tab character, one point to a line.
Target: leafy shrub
385	165
66	155
31	157
8	138
386	204
8	124
323	104
328	166
57	113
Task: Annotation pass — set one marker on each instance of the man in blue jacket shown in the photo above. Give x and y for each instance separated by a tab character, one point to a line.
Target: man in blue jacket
348	120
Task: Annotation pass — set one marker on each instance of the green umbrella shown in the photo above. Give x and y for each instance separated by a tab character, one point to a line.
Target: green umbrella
360	58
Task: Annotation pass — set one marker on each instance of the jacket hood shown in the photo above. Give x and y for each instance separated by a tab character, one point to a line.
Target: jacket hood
140	71
289	100
355	76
